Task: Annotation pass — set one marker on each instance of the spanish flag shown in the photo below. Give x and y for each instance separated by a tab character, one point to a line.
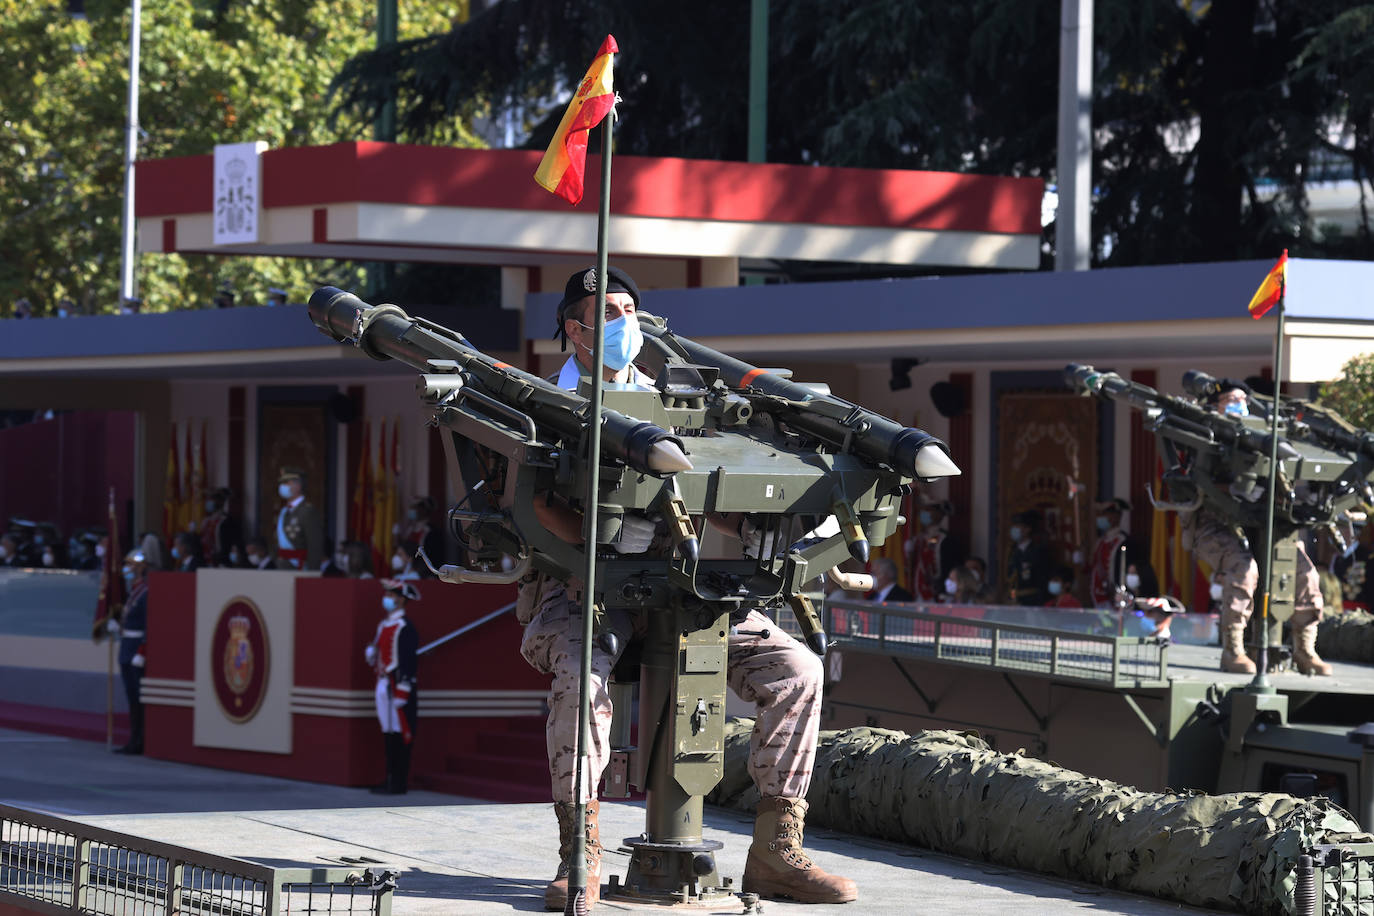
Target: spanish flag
1271	290
565	161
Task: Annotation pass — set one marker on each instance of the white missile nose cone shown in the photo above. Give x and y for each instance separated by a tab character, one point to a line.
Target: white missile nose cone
932	461
665	457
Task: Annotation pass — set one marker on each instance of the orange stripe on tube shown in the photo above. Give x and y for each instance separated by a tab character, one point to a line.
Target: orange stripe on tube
750	376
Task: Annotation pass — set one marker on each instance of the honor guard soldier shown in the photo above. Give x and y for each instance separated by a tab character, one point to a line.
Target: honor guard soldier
132	630
300	531
765	666
1111	538
392	655
418	528
933	554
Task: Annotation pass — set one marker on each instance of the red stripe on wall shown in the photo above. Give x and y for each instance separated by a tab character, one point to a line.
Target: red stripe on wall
169	236
319	229
641	186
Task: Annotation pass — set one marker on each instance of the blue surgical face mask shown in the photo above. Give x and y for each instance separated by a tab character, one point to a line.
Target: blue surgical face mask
1237	409
623	341
389	603
924	517
284	490
1016	531
128	575
1056	587
1103	523
176	553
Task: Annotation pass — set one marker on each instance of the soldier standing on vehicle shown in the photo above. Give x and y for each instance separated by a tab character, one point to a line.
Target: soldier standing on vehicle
764	665
1222	546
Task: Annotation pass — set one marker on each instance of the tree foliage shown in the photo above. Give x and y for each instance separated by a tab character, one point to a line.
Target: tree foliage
1352	395
1210	118
210	73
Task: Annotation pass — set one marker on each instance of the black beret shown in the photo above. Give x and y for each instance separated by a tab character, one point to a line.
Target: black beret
1115	504
583	284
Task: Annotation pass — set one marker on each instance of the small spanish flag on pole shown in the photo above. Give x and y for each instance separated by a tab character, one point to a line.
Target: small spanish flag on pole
565	161
1271	290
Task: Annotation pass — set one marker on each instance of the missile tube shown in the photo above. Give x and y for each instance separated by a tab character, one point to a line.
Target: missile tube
387	332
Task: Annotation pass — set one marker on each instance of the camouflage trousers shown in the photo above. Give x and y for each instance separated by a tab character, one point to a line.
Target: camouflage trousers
779	675
1219	546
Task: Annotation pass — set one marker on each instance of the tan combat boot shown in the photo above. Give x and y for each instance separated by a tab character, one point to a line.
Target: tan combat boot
556	894
1233	657
1305	657
777	866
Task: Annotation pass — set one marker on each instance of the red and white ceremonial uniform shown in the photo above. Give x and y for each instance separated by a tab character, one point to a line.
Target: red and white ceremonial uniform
929	580
392	654
1101	566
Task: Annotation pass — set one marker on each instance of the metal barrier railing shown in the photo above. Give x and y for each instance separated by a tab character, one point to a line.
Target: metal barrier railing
52	865
1340	883
911	631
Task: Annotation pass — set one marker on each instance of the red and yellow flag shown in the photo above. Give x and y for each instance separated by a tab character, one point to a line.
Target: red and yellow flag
1271	290
565	161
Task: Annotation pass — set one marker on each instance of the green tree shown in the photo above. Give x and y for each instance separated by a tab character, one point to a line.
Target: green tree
210	73
1210	118
1352	395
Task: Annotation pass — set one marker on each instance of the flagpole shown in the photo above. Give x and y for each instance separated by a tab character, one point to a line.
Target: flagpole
1261	681
577	875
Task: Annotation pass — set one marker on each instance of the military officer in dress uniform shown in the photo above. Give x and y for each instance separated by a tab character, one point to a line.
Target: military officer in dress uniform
300	531
132	632
392	656
1107	552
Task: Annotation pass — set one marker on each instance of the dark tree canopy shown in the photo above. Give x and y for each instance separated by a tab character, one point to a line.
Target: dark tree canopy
1209	119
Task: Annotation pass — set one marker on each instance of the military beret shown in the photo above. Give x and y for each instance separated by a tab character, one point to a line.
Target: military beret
1115	504
583	284
290	474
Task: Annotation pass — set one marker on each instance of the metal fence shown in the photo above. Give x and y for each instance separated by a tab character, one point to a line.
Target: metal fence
911	630
51	865
1340	882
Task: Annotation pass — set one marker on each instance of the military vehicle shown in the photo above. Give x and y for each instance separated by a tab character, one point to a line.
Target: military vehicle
1090	690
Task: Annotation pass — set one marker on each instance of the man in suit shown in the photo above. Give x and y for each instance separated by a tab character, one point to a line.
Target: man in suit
885	585
300	530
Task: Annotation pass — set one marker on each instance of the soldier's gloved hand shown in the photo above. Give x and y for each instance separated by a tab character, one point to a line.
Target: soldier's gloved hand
1078	558
636	534
370	654
112	626
138	660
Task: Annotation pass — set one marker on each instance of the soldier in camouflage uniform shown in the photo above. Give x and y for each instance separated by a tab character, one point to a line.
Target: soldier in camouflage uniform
1220	546
774	671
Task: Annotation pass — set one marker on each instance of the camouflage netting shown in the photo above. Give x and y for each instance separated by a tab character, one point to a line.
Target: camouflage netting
1348	637
948	791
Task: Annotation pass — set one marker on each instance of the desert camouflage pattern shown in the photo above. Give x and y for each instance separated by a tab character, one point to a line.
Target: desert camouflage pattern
776	673
950	792
1220	547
